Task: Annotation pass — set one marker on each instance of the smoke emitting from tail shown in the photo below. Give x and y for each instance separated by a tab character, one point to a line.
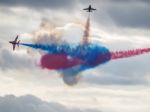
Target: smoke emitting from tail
86	32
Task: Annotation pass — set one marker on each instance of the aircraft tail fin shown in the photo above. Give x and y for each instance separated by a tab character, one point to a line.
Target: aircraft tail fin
18	43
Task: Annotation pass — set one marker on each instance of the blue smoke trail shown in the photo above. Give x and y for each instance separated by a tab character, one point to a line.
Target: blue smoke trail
91	55
87	52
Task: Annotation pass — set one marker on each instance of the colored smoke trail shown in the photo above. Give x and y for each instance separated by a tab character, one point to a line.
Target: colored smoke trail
70	60
67	56
129	53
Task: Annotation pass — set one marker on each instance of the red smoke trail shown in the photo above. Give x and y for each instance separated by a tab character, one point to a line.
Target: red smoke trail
129	53
59	61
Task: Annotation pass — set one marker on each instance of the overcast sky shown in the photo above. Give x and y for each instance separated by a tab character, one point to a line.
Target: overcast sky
120	85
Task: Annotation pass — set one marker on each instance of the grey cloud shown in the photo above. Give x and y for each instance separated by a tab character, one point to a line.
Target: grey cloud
130	16
111	79
51	4
29	103
13	61
1	44
146	1
131	71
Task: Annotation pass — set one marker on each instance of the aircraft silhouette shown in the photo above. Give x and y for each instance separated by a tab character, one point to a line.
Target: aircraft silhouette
15	42
89	9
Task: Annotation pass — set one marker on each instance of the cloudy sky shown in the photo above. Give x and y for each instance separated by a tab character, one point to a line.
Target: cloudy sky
120	85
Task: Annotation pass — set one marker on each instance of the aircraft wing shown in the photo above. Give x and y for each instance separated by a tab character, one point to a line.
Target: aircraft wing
93	9
86	9
16	38
14	46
